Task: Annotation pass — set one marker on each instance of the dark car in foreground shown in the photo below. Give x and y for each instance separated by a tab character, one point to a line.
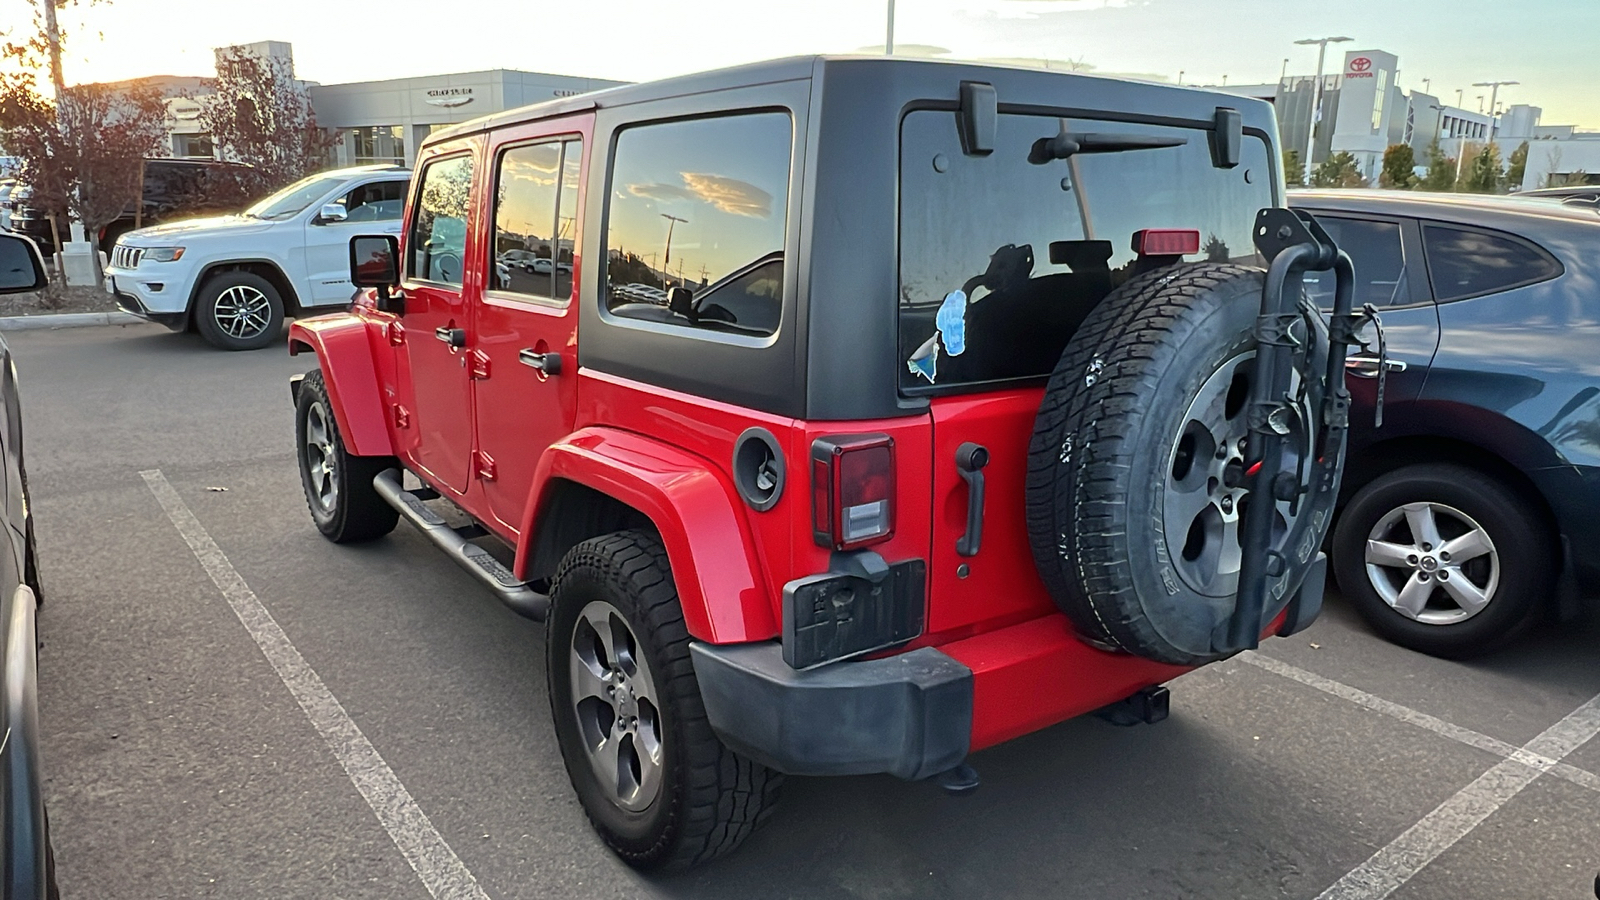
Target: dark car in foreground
1475	505
28	871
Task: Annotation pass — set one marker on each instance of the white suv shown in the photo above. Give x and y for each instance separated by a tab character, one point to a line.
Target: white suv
233	278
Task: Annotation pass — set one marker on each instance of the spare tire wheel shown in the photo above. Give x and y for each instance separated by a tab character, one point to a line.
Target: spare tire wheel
1136	468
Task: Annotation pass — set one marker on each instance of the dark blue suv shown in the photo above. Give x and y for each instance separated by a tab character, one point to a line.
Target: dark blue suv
1476	503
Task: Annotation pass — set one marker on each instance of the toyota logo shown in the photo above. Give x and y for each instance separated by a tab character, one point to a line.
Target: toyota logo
1360	64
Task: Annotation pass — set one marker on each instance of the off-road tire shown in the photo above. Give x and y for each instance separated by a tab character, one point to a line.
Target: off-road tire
1523	546
215	332
357	512
711	798
1100	456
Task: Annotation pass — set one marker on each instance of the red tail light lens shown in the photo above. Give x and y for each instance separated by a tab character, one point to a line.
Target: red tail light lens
852	490
1166	242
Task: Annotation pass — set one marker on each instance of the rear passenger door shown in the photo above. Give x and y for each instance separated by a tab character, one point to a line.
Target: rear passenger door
370	208
525	337
1392	276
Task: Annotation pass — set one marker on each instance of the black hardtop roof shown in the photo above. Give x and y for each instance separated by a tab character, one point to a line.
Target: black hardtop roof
796	68
1507	213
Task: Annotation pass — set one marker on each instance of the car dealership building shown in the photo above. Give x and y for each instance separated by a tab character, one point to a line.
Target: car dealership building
378	121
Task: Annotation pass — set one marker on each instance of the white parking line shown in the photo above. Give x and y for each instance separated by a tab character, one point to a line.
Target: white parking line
1402	858
1423	720
441	871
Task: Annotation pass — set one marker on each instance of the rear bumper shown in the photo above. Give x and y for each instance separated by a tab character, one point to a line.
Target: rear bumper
908	715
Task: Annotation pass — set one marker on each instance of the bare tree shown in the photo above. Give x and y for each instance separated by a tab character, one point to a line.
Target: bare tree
258	115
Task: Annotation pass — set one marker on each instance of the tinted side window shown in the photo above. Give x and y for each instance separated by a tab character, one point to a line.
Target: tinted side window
533	231
378	202
700	204
1466	262
1378	253
438	240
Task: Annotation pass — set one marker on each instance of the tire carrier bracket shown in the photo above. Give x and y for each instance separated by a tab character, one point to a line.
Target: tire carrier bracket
1295	244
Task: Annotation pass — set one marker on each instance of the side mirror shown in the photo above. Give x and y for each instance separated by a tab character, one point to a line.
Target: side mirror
375	263
21	266
331	213
681	301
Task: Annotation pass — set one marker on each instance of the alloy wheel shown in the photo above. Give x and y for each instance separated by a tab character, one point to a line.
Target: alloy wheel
242	312
1205	493
617	707
321	463
1432	563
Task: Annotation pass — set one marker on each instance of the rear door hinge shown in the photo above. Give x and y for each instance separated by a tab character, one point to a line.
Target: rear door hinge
478	365
483	464
402	416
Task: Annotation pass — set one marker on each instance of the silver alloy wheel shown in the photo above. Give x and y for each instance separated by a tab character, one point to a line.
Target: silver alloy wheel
618	712
1205	492
1432	563
242	312
321	463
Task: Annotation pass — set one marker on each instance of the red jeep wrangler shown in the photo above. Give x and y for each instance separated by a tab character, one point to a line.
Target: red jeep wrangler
865	413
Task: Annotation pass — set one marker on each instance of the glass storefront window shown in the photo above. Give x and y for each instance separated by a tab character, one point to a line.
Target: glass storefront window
371	144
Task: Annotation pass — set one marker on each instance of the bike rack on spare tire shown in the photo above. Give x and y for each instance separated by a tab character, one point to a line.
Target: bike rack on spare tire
1295	244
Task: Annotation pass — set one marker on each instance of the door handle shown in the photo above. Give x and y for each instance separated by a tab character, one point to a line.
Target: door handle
455	337
548	363
1367	366
970	460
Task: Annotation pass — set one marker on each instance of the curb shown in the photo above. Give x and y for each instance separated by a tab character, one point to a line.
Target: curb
67	320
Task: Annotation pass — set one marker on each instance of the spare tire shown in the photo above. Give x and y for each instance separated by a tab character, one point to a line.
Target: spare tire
1135	471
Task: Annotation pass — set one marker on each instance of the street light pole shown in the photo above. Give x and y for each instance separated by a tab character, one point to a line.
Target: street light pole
1494	94
1316	95
672	222
888	36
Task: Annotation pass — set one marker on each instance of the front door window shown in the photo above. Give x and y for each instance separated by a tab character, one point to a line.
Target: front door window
438	242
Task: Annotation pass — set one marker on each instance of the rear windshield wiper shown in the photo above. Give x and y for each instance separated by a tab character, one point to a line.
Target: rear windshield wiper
1066	144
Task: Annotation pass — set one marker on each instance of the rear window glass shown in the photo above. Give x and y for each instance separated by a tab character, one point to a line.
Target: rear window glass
1376	250
1466	262
1001	258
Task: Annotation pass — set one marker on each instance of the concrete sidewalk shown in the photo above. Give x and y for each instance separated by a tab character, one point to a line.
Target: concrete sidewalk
67	320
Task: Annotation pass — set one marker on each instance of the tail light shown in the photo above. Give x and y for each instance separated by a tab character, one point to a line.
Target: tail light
1166	242
852	490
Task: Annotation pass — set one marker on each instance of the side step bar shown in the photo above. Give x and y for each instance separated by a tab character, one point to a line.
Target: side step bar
523	600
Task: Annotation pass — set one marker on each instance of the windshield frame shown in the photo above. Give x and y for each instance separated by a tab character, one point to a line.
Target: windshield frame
263	209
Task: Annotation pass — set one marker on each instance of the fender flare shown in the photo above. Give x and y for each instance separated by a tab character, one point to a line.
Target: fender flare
693	507
344	351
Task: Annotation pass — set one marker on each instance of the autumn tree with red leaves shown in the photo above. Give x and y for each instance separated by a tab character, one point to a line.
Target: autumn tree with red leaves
257	114
83	157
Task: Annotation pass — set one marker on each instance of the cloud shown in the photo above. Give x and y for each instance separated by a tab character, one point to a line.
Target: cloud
658	191
730	195
509	175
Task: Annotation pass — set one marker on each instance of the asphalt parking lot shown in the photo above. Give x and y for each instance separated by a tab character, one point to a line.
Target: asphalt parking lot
183	754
